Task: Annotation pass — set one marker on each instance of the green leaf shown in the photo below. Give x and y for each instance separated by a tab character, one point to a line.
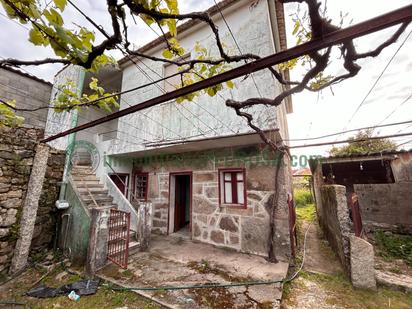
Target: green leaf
229	84
36	37
61	4
167	54
296	27
53	17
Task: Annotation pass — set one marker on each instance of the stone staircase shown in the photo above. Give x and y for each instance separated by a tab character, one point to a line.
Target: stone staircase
92	192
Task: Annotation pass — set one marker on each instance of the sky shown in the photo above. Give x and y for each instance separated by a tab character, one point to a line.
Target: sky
315	114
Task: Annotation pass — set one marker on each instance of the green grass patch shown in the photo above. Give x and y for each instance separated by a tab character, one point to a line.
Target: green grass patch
306	213
394	246
302	197
340	293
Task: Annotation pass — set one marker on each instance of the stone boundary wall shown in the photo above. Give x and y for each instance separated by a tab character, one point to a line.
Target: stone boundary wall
386	206
17	149
335	222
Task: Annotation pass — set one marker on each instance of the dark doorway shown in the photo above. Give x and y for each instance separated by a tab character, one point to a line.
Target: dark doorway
182	202
121	182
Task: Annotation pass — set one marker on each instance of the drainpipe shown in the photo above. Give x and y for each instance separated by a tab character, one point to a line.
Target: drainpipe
72	138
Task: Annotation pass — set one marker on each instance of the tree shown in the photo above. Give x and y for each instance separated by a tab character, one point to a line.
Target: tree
361	144
79	47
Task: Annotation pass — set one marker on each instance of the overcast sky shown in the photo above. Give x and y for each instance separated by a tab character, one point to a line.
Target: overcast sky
314	114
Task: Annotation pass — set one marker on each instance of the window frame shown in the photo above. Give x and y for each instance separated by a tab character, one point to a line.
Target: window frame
136	174
221	185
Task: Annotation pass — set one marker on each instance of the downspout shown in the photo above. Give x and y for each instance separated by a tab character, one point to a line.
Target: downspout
72	138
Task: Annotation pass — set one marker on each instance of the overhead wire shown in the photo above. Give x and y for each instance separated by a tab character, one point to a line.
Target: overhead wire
349	131
378	79
132	60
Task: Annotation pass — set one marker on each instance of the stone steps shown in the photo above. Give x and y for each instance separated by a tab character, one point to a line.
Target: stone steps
87	183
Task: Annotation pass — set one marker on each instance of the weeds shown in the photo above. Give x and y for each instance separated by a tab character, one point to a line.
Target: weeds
302	197
394	246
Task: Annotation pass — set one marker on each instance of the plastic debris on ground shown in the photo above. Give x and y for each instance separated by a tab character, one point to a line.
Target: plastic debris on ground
74	296
81	287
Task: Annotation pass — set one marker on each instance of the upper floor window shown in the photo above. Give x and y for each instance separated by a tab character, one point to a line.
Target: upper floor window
232	187
140	186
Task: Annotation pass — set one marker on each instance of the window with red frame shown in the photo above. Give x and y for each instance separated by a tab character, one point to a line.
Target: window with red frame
232	187
140	186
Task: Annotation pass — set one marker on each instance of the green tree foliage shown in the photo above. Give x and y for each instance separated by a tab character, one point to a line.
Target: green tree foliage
76	44
360	144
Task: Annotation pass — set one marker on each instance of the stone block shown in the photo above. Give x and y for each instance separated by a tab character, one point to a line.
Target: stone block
204	176
203	206
158	223
4	187
196	230
255	235
4	232
211	192
11	203
217	237
198	189
226	223
362	263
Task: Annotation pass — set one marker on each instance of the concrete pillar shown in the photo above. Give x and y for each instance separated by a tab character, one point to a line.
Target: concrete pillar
30	206
99	233
362	263
144	225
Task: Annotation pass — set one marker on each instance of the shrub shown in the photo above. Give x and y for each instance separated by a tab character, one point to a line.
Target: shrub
302	197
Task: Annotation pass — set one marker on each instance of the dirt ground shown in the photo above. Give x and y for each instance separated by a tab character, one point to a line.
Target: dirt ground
323	285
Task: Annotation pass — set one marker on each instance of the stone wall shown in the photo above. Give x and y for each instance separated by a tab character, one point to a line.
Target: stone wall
402	167
386	206
16	157
335	222
243	229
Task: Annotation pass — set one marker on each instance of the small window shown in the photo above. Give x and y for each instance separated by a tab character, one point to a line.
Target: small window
232	187
140	186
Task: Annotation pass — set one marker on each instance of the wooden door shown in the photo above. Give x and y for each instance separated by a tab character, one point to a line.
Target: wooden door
179	203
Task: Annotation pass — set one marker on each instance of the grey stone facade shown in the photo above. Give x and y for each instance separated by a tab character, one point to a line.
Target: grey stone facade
17	148
29	92
242	229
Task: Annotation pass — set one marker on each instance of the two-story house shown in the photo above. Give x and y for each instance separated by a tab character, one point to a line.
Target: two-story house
206	173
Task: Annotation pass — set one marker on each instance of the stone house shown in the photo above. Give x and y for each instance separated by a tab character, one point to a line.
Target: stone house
29	92
206	173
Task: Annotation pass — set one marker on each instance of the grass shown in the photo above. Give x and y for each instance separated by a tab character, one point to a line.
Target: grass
302	197
394	246
104	298
339	292
306	213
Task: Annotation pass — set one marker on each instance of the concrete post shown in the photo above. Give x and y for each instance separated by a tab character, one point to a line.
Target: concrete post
99	233
362	262
30	206
144	225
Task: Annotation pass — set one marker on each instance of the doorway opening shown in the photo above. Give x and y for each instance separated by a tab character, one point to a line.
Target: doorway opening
180	203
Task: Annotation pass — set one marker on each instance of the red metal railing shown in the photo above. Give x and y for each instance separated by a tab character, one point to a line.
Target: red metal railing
356	217
118	240
292	225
